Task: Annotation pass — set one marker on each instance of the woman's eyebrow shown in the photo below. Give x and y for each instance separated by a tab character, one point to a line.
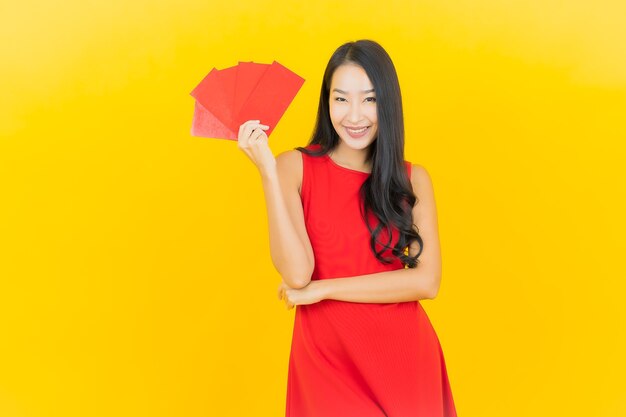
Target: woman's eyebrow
343	92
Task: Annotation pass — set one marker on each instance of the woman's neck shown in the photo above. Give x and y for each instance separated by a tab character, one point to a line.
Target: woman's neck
350	158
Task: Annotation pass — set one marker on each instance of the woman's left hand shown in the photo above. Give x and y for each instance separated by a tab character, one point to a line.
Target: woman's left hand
310	294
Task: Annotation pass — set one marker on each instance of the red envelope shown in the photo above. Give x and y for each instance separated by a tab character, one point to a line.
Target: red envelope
248	91
248	76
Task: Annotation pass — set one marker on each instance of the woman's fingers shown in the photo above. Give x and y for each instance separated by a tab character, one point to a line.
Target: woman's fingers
244	132
282	295
250	133
247	127
254	143
258	132
288	302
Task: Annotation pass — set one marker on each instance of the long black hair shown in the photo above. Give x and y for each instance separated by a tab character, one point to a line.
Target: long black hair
387	192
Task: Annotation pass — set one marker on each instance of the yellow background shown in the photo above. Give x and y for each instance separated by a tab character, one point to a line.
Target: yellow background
135	276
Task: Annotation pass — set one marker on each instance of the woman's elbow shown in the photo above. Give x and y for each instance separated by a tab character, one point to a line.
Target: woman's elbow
434	288
433	294
300	279
428	285
297	282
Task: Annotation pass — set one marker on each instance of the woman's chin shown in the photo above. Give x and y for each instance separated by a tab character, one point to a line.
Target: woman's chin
361	143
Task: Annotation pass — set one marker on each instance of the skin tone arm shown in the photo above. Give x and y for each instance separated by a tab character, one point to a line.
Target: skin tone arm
395	286
290	248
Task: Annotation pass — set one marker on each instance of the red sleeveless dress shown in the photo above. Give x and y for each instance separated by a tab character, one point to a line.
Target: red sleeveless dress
358	359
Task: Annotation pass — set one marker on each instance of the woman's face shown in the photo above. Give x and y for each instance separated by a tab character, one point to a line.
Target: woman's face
352	105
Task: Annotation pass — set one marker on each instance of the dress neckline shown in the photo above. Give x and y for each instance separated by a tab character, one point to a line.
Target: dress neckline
344	168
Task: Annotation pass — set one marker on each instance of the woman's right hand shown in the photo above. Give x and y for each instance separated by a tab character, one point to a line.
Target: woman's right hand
252	140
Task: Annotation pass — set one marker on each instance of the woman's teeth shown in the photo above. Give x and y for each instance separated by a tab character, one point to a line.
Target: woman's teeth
358	133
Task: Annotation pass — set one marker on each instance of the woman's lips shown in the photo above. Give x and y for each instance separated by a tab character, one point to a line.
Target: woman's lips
357	133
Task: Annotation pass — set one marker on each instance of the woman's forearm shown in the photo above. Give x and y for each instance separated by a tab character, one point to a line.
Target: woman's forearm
395	286
288	252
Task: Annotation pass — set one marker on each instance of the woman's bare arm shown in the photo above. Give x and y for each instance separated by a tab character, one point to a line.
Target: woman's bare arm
290	247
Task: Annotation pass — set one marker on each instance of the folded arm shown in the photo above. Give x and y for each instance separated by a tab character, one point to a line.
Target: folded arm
395	286
399	285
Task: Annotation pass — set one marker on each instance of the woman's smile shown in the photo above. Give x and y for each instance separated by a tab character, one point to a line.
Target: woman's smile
357	133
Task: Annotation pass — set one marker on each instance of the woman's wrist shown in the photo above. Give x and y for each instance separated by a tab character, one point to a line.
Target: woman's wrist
321	288
269	172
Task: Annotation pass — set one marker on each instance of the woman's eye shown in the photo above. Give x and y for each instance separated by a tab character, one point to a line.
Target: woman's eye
371	99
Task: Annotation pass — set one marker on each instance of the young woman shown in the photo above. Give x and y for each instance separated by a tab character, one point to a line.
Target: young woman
354	235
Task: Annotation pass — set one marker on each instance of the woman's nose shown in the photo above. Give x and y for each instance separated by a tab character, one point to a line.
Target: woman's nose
355	113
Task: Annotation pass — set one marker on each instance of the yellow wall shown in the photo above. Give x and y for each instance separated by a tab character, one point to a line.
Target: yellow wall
135	277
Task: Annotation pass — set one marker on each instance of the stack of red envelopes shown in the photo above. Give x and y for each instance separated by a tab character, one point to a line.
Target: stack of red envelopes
248	91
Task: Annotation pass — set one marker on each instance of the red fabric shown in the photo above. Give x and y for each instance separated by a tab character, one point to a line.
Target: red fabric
358	359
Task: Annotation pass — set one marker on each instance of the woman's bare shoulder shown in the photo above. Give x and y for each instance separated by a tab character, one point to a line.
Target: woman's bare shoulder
421	181
290	161
418	173
290	155
289	166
